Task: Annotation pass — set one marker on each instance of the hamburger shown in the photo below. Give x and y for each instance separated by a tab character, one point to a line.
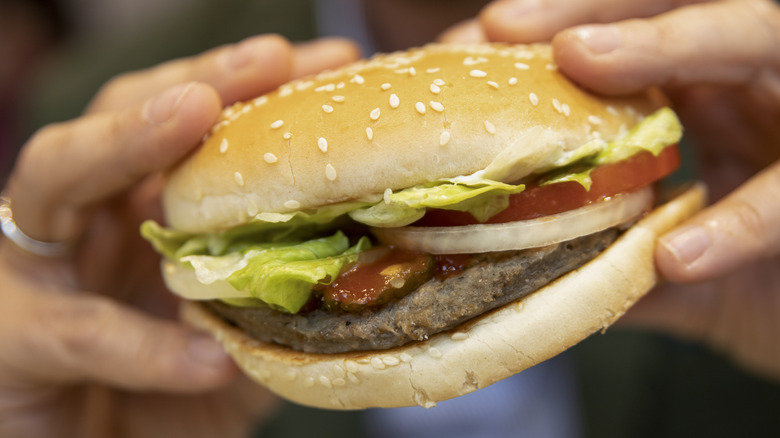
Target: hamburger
418	225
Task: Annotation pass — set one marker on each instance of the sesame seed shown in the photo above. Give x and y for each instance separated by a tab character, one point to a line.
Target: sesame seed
353	378
322	143
377	363
351	366
612	110
566	110
405	357
432	70
444	138
512	81
308	382
439	82
287	135
557	104
357	79
434	353
338	98
474	61
420	107
291	375
338	371
437	106
386	195
534	99
277	124
239	179
260	101
327	108
435	89
340	85
324	381
246	109
369	133
522	66
402	71
386	86
330	172
270	158
493	84
394	101
302	85
375	113
390	361
339	381
551	67
223	146
412	71
477	74
594	120
285	91
459	336
292	204
489	127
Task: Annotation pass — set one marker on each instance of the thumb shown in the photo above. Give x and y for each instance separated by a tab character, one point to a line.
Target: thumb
58	338
734	232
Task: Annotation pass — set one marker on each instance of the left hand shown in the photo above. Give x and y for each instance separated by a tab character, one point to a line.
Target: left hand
718	62
89	345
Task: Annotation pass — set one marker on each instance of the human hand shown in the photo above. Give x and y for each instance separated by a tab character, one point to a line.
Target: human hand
88	346
718	62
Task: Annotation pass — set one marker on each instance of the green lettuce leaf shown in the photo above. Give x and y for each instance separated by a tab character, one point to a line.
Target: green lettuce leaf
653	134
280	275
480	197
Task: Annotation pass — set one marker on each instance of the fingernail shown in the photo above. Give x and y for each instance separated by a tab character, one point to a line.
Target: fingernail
688	244
206	351
160	109
599	39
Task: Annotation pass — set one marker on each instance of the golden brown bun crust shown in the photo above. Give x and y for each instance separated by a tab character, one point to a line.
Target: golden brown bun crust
390	122
493	347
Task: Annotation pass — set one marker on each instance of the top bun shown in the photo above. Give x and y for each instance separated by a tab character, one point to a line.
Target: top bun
392	121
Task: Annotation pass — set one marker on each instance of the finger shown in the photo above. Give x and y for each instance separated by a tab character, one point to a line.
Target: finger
55	338
527	21
67	168
465	32
731	42
237	71
322	54
734	232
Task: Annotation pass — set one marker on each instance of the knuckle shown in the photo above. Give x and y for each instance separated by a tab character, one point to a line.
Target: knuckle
750	221
74	332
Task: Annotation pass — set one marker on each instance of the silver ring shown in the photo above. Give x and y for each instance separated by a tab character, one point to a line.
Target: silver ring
25	242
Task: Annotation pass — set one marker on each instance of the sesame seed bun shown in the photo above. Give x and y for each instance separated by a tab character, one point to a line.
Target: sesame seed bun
393	121
482	352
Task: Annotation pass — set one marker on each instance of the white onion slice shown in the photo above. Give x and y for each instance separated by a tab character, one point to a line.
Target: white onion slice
183	282
531	233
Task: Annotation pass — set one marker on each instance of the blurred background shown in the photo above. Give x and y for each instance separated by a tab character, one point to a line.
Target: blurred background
55	55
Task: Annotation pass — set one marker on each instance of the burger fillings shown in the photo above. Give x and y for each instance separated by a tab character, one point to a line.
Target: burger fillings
422	143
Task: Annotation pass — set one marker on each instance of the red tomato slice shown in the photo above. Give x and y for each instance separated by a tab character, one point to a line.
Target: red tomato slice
536	201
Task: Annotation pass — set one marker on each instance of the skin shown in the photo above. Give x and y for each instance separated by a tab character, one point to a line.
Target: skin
718	63
89	343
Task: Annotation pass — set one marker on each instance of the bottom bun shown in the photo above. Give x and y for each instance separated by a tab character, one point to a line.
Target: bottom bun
487	349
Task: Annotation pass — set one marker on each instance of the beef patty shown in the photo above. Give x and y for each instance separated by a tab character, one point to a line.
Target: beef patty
492	280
